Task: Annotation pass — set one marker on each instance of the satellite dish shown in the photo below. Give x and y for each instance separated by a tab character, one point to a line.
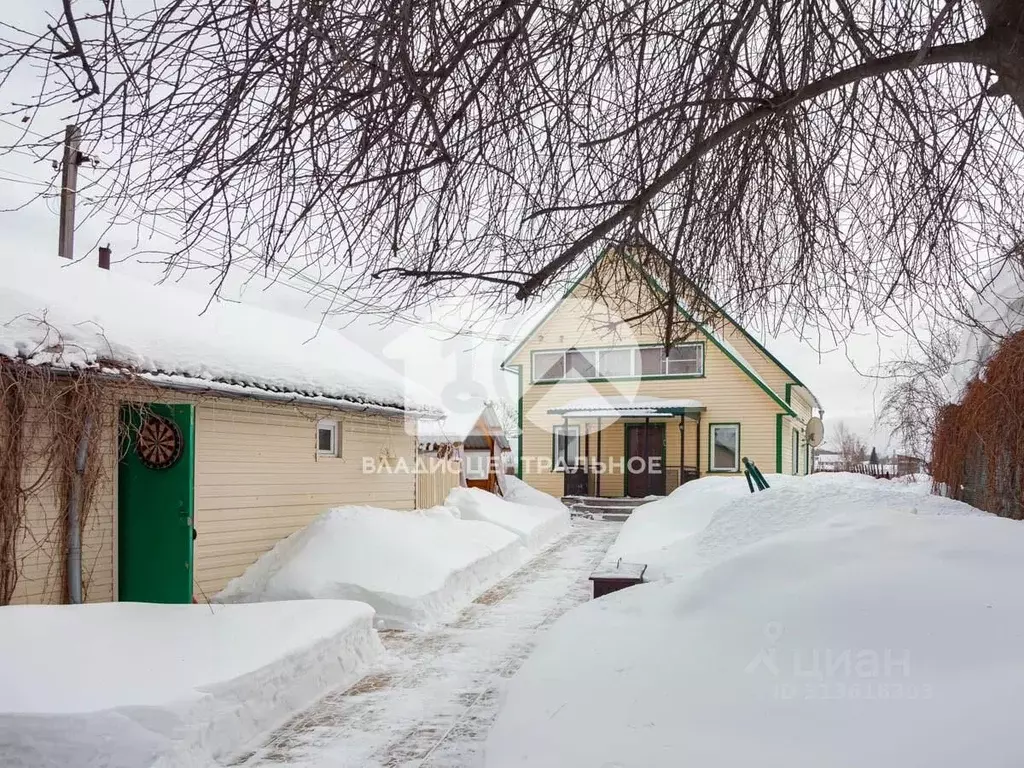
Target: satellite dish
815	431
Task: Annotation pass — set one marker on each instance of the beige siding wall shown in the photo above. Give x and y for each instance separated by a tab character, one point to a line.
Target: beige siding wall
436	480
40	552
727	392
259	478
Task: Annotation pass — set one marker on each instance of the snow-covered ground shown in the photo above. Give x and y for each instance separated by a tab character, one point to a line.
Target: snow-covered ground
520	492
537	526
416	569
704	520
829	621
136	685
431	700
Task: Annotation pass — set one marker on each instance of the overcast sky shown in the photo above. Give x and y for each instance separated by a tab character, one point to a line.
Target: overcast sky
453	366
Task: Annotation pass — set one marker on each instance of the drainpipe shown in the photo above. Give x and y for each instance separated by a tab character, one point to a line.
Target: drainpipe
75	516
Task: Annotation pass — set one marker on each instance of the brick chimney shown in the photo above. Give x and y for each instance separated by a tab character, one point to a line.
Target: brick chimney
105	256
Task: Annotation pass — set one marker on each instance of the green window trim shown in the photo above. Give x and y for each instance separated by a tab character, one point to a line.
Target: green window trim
711	447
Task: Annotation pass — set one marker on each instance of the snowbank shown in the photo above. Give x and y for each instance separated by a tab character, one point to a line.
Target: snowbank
536	526
138	685
77	316
520	492
863	636
709	518
415	568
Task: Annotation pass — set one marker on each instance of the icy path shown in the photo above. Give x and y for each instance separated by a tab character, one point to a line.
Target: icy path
432	700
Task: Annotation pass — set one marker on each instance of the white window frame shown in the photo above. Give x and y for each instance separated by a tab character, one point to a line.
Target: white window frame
335	429
635	368
796	451
711	457
533	364
700	360
558	460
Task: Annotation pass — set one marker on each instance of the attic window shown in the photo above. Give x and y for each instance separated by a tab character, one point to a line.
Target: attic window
327	443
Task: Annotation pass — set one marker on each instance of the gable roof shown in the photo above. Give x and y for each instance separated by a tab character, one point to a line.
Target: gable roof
458	426
712	335
79	317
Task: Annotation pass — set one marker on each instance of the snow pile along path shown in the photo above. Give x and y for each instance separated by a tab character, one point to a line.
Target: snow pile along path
415	568
536	526
134	685
838	622
705	520
519	492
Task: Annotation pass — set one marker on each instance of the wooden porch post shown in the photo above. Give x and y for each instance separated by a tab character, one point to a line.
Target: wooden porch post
647	456
598	491
682	445
698	444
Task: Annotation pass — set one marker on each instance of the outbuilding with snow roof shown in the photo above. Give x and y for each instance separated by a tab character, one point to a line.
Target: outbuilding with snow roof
156	442
468	447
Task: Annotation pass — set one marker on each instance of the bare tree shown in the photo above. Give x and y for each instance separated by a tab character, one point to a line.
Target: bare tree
852	449
833	159
508	414
916	391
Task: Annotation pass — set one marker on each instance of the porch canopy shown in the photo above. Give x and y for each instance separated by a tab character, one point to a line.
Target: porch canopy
621	406
577	481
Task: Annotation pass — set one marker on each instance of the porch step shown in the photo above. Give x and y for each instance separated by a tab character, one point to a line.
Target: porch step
602	509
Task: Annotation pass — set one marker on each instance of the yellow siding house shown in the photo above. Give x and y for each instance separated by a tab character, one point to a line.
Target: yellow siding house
607	409
181	444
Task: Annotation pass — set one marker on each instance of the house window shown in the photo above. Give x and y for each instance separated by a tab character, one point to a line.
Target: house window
725	448
796	452
327	443
615	362
650	361
477	464
580	365
686	359
548	366
566	446
619	362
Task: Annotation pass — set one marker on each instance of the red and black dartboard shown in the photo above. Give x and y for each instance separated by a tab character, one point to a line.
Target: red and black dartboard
160	442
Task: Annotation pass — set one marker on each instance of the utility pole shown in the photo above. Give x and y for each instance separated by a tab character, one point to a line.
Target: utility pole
68	186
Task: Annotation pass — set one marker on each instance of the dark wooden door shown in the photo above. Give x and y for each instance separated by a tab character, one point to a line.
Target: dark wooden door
645	463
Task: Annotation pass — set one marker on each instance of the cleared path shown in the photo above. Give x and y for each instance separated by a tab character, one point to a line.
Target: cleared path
432	700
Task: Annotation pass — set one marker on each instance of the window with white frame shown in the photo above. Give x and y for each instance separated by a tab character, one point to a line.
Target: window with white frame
581	365
725	448
327	438
566	446
796	452
649	361
619	362
477	464
548	366
614	363
685	359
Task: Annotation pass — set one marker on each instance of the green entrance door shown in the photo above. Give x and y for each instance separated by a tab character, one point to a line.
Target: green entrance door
155	485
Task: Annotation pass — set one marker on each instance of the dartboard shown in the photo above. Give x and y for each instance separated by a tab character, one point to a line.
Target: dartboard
160	442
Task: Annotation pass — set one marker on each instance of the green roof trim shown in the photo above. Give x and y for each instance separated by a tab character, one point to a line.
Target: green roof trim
659	290
572	287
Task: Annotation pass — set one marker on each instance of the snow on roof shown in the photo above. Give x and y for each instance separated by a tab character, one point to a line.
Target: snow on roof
459	424
996	312
77	316
626	406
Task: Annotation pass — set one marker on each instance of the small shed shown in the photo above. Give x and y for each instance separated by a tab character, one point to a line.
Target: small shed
466	448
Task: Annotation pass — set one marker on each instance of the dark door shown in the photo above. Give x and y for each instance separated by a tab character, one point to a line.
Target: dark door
155	486
645	460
